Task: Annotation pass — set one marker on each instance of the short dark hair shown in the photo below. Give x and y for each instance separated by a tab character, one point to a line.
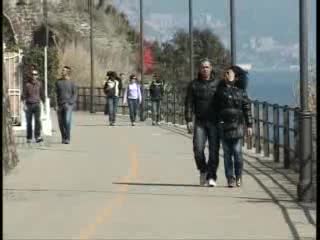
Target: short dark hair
132	76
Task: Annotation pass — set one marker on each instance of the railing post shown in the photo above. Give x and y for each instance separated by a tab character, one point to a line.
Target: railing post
78	99
174	107
257	126
100	98
286	138
296	139
249	138
276	140
167	106
84	99
266	137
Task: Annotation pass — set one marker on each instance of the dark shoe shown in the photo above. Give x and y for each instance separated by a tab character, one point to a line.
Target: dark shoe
238	181
67	142
203	179
29	140
133	124
231	182
40	139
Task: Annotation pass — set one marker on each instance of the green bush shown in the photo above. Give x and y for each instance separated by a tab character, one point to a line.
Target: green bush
35	56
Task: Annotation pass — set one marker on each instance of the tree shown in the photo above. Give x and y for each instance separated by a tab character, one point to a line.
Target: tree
9	156
172	57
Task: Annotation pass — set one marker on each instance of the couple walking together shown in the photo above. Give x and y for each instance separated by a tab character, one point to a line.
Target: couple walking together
220	109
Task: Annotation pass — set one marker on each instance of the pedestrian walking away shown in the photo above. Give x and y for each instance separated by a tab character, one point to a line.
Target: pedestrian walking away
234	111
111	89
132	96
32	96
66	95
106	107
156	92
199	103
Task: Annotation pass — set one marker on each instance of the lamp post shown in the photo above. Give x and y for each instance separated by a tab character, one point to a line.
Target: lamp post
232	32
305	187
92	110
191	40
142	62
45	14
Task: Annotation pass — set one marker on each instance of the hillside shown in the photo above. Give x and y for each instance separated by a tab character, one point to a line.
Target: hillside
69	25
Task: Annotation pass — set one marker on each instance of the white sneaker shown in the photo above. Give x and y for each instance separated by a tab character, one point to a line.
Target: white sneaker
203	179
212	182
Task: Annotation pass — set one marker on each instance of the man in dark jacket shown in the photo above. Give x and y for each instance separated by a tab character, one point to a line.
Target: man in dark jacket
66	93
33	94
199	102
156	92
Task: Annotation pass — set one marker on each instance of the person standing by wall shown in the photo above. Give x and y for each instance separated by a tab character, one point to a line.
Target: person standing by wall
132	95
66	93
199	102
111	89
33	94
156	92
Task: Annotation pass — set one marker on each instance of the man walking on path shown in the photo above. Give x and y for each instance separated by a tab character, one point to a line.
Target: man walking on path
156	92
199	102
33	93
66	93
111	89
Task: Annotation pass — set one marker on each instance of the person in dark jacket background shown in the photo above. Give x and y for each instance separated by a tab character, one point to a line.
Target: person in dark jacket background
156	92
199	102
234	110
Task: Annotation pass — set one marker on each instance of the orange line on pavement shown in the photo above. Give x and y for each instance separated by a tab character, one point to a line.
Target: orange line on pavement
106	213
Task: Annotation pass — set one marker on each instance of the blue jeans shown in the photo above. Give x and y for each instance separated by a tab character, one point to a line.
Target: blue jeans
112	106
133	106
155	110
64	118
203	131
33	110
233	162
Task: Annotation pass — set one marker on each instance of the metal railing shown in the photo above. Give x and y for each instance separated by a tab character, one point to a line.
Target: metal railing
275	127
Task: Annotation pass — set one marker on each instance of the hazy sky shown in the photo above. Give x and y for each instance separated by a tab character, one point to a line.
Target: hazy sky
270	27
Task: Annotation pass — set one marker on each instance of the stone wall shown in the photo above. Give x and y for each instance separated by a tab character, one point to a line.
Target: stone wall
26	16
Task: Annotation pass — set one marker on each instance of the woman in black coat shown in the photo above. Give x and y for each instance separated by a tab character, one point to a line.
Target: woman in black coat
234	111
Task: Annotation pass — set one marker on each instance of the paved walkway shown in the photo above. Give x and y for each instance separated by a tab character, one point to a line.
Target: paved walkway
140	182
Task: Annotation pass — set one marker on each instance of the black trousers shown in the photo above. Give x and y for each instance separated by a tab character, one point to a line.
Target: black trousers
33	111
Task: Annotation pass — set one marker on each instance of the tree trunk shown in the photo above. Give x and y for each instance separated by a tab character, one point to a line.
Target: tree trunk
9	154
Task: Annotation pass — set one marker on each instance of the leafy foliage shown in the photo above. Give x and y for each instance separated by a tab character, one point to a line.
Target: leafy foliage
35	56
172	57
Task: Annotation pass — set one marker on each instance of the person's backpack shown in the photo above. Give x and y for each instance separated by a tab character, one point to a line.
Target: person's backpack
109	88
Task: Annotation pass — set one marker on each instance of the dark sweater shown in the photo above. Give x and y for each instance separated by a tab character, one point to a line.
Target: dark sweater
66	92
33	92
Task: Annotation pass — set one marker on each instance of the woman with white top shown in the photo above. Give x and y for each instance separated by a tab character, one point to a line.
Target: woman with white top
132	96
